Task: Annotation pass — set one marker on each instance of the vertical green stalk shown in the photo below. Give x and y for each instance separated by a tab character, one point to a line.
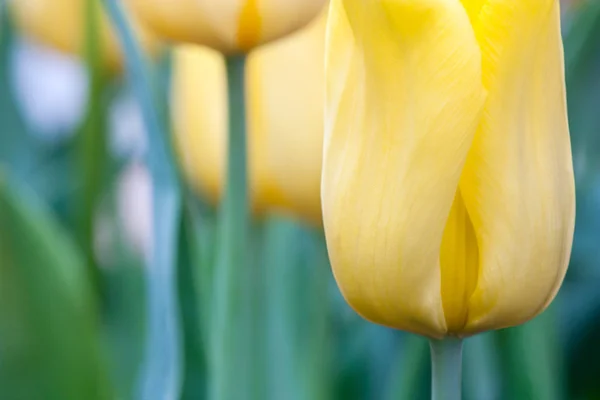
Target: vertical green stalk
282	260
409	367
316	363
297	276
230	313
446	369
257	341
91	149
1	14
482	369
161	371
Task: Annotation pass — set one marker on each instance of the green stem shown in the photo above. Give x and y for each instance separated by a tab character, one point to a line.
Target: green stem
92	141
446	369
161	370
230	310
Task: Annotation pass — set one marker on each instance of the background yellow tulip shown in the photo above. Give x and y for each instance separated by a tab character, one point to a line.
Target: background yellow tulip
448	193
285	83
60	24
226	25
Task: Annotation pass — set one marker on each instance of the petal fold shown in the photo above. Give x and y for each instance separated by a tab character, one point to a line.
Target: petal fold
459	262
473	8
518	183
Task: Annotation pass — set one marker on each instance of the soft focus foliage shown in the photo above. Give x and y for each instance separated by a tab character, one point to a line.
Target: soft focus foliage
228	26
448	191
29	321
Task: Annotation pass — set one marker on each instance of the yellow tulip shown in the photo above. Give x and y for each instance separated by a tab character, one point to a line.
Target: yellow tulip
60	24
448	188
229	26
285	86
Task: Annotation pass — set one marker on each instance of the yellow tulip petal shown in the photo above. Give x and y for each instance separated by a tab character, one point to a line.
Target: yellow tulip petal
246	23
518	180
281	17
249	26
403	100
179	20
286	88
459	261
226	25
200	116
473	8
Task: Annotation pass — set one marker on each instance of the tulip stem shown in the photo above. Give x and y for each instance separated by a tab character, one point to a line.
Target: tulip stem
446	369
161	371
230	308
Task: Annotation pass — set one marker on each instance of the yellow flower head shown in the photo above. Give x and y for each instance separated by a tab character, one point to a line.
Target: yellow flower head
226	25
61	24
285	88
448	189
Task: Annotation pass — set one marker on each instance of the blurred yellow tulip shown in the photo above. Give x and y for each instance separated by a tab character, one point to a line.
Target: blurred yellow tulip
229	26
60	24
448	188
285	86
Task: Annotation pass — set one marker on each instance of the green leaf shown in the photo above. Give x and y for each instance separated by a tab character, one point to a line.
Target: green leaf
14	138
49	342
299	344
582	58
409	369
533	360
161	371
92	153
189	259
481	377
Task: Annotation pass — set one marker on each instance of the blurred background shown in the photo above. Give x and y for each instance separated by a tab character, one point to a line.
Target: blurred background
76	230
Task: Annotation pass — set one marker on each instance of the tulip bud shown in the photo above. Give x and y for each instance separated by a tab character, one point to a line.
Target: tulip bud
61	24
228	26
285	84
448	188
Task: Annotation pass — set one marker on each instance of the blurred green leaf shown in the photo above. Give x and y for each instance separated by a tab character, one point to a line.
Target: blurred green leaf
481	375
194	340
124	323
161	375
91	154
44	166
14	138
533	360
123	298
578	298
49	344
584	353
299	334
409	370
582	57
